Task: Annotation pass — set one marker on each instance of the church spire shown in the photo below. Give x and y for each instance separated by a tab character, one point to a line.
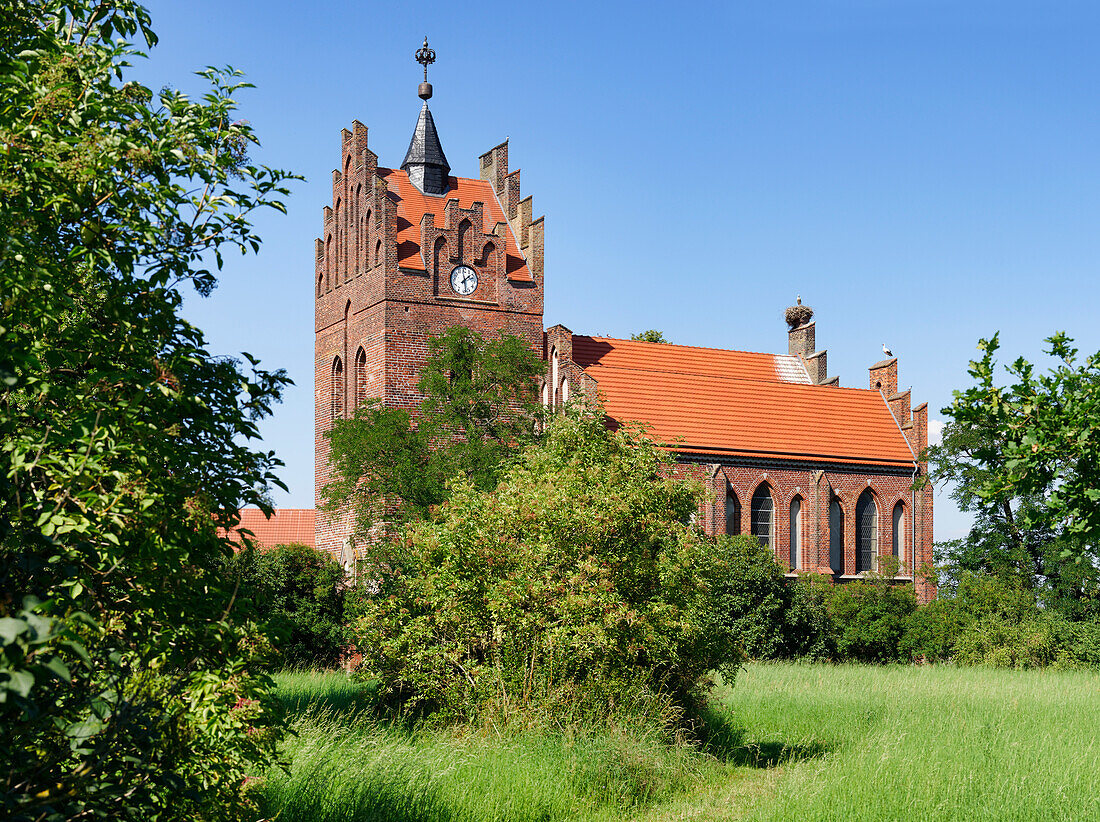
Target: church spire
425	162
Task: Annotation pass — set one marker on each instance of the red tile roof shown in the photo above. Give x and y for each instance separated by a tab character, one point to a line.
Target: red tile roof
711	401
413	204
285	526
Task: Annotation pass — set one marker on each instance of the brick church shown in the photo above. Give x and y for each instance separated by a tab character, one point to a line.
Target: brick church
822	474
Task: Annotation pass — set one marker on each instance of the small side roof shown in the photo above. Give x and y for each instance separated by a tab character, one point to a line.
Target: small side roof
739	403
286	525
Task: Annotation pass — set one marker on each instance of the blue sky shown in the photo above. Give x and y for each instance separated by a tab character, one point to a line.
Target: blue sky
922	173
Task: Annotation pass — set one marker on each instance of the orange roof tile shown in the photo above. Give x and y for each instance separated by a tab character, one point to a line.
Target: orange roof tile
413	204
711	401
285	526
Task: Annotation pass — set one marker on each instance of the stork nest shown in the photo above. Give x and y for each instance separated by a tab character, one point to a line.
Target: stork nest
798	315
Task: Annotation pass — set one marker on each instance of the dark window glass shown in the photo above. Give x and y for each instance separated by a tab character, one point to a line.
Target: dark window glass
836	536
733	511
866	532
763	515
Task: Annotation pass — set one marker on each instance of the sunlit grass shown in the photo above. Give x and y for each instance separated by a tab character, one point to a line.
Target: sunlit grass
791	742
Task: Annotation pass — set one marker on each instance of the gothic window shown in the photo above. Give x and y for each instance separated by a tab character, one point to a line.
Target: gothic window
360	377
463	230
320	284
866	532
340	239
836	536
733	511
564	391
796	533
337	389
366	240
483	260
763	515
898	547
554	376
328	262
357	227
546	395
377	252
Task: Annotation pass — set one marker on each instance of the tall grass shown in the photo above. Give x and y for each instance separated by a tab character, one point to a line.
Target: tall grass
346	765
926	743
789	742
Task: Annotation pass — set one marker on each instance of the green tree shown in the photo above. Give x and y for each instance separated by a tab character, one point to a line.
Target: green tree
127	690
1024	459
299	591
652	335
479	409
575	581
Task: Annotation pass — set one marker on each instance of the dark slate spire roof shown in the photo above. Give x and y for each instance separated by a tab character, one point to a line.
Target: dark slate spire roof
425	162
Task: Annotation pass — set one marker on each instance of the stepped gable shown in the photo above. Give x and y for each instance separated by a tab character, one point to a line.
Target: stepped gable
413	204
739	403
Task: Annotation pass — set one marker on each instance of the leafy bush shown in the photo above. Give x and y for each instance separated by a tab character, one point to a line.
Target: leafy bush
868	619
768	615
299	591
574	582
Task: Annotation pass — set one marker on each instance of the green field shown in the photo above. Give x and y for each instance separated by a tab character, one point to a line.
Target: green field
796	742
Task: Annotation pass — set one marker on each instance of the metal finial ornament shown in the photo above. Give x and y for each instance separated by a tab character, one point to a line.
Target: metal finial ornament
425	56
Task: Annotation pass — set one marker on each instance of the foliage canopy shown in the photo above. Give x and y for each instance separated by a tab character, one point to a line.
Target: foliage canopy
126	688
576	579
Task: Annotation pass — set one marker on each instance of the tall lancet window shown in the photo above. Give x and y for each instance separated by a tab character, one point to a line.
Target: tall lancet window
836	536
337	404
866	532
763	515
898	547
733	511
796	533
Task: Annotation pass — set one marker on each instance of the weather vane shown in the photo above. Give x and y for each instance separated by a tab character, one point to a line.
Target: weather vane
425	56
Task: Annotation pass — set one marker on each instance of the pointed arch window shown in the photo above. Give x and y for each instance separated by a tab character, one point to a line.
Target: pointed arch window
733	511
763	515
340	242
898	546
836	536
796	533
360	376
337	402
866	532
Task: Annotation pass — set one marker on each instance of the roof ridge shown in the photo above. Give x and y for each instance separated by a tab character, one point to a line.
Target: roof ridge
728	378
680	345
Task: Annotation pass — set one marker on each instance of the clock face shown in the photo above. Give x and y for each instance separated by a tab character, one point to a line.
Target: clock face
463	280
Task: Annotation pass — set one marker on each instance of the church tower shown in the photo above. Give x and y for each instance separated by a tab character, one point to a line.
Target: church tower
406	254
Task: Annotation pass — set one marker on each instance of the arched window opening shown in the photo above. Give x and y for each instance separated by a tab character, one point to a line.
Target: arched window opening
554	375
340	242
546	395
360	376
366	240
463	230
320	284
866	532
486	252
358	227
328	262
763	515
377	252
733	511
898	546
337	389
564	391
796	533
836	536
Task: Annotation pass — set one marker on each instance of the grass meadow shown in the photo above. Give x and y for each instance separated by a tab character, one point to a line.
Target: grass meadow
788	742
